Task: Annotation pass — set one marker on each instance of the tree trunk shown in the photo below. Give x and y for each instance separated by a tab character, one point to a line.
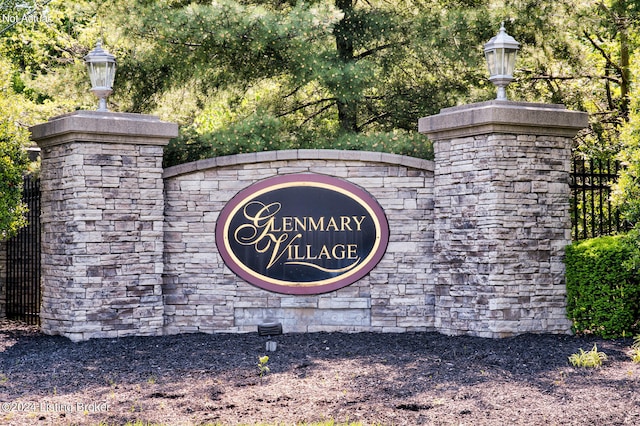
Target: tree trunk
347	109
625	77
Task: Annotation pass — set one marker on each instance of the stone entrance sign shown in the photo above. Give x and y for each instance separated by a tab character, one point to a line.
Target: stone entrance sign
474	241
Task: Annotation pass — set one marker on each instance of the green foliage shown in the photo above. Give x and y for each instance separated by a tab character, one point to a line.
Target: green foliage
635	350
256	133
590	359
267	133
626	194
603	289
13	164
323	68
262	365
318	72
13	158
397	142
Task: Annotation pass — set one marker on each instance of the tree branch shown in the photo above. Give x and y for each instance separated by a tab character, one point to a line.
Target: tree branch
378	49
569	77
308	104
604	54
320	111
373	120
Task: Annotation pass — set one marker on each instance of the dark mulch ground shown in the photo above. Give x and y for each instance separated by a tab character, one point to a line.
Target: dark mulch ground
387	379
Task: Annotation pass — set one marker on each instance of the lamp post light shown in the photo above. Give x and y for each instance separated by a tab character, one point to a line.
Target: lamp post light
500	53
101	66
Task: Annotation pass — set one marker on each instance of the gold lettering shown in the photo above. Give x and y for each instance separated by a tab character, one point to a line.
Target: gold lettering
286	224
316	226
275	254
259	232
262	232
332	224
293	253
308	255
338	251
300	224
359	222
324	252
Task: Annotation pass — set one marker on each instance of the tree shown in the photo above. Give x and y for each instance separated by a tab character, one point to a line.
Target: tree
626	193
317	71
13	159
40	54
577	52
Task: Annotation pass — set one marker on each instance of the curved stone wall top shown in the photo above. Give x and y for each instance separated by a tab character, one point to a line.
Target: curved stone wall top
298	154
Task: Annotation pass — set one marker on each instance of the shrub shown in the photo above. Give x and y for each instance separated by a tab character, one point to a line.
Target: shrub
593	358
13	164
603	286
635	350
263	132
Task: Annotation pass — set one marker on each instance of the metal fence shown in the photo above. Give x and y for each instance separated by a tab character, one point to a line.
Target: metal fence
23	261
592	213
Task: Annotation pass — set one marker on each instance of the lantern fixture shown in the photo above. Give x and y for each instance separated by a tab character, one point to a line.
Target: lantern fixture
101	66
500	53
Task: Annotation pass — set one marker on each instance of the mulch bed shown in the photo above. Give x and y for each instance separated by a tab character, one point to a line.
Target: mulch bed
386	379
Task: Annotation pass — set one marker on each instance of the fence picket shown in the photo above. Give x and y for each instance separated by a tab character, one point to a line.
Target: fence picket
23	261
592	213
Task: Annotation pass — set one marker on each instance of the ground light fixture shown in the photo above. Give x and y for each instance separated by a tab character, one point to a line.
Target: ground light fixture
101	66
500	53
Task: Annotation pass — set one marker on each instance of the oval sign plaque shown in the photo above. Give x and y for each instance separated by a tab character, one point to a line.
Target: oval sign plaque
302	233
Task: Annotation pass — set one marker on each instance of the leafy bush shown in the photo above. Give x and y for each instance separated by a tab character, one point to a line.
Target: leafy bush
255	134
626	191
593	358
635	350
13	163
603	286
397	142
263	132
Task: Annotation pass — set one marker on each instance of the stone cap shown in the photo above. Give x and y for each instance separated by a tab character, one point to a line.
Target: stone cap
498	116
106	127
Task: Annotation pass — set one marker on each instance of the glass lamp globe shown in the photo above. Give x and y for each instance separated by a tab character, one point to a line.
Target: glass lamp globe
500	53
101	66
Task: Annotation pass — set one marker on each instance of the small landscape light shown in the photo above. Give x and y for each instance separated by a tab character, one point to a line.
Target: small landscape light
270	328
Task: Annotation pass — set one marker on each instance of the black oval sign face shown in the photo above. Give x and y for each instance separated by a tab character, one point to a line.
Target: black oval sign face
302	234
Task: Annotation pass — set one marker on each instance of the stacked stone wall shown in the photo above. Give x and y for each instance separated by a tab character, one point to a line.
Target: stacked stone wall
202	295
502	216
501	228
102	210
102	249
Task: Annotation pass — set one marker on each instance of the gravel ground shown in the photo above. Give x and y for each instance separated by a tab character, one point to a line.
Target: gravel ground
385	379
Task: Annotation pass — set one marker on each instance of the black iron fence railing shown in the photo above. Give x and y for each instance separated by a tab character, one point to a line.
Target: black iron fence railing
592	213
23	261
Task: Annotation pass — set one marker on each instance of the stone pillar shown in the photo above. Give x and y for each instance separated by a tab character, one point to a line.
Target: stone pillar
501	216
102	224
